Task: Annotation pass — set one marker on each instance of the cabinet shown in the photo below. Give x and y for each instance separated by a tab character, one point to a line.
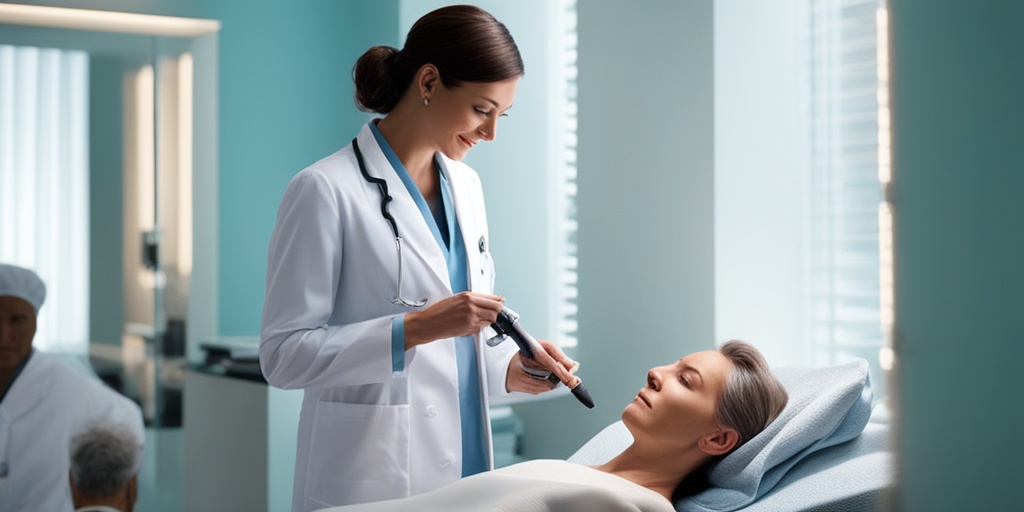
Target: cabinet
240	439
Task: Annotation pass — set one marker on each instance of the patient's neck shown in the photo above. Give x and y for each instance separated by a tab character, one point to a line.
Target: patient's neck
653	469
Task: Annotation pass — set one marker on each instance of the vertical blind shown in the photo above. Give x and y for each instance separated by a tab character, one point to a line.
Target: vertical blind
563	258
842	272
44	184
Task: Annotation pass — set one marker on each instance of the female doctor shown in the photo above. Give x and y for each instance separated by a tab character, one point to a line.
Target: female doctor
379	279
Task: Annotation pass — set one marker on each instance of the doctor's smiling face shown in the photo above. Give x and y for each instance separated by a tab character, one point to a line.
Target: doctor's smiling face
463	115
17	329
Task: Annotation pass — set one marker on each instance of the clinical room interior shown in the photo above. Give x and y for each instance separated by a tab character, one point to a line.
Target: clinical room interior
829	180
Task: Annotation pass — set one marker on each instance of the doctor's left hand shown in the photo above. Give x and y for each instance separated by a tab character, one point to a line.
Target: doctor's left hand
552	358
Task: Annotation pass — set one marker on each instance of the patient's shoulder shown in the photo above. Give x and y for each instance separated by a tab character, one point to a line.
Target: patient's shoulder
539	468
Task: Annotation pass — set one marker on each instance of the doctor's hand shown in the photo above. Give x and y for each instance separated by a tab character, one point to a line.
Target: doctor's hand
551	358
462	314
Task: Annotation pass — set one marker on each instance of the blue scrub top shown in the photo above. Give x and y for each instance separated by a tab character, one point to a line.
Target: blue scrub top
474	446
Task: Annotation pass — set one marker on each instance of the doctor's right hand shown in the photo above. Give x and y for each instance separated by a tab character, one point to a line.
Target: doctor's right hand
462	314
552	359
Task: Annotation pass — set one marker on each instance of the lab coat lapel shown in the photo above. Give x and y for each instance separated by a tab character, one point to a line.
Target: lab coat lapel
25	393
417	238
469	210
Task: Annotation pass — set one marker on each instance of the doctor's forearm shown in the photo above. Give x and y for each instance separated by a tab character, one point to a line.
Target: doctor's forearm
421	329
417	329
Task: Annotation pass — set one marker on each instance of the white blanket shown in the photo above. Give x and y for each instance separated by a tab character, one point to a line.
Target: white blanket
534	486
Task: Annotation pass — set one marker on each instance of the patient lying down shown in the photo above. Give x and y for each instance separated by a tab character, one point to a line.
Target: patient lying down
689	414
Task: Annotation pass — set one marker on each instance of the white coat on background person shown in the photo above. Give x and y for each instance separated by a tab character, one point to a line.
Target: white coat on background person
380	420
43	403
47	405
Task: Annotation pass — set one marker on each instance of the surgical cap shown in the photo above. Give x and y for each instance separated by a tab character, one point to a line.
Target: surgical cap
23	284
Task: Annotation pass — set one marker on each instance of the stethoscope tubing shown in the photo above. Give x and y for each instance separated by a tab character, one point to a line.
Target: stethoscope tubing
385	199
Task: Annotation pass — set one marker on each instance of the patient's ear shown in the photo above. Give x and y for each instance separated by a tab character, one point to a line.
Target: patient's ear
719	442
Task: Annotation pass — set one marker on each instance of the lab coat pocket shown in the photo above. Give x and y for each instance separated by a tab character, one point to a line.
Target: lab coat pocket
362	453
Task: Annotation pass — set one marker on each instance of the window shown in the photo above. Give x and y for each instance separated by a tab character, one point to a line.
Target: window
562	192
844	193
44	184
800	137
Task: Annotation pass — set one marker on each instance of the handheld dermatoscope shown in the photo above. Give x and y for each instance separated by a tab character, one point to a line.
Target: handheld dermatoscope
507	325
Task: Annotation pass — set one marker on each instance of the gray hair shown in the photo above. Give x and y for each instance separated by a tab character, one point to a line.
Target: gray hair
753	397
751	400
104	457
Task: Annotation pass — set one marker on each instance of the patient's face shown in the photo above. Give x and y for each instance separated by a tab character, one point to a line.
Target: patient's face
677	406
17	328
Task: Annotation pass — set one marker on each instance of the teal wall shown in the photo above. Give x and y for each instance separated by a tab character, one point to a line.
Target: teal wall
958	102
106	216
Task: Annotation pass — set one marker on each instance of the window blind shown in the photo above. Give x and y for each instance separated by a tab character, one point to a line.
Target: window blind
844	194
563	258
44	184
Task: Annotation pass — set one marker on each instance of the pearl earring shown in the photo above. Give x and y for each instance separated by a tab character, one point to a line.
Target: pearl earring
426	102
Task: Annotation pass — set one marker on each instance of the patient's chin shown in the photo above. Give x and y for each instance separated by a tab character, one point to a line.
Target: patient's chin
630	415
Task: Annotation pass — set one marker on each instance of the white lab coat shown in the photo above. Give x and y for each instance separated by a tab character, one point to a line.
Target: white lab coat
46	406
367	433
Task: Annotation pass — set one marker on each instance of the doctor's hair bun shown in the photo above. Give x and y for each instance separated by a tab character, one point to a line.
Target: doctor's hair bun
376	87
464	42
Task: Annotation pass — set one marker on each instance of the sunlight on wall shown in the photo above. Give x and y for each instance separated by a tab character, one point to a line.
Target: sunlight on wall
886	355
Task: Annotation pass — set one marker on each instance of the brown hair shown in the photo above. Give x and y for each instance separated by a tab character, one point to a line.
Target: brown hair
465	42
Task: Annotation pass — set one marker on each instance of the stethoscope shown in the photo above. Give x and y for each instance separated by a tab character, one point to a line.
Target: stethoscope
386	198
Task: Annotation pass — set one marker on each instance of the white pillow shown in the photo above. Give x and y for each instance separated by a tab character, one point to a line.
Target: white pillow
827	406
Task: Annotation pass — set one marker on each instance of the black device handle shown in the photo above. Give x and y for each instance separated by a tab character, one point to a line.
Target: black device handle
507	324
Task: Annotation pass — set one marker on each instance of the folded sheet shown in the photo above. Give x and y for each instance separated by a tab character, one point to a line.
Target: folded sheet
534	486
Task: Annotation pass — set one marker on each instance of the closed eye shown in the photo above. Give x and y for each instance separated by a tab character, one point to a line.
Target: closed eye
486	113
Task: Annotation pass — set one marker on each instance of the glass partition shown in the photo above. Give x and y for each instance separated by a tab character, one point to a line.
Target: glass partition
132	213
141	209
